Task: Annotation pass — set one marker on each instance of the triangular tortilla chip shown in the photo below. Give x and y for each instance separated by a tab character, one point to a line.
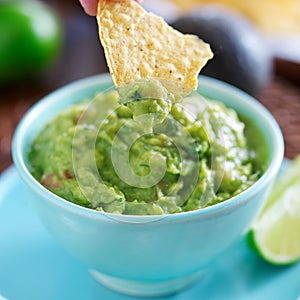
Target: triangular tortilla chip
140	45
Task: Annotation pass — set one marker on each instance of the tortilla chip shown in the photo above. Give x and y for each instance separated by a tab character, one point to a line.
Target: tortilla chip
140	45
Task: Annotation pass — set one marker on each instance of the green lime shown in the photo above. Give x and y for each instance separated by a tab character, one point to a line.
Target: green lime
276	233
30	38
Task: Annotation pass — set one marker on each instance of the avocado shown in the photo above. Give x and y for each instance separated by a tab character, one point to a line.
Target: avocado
241	56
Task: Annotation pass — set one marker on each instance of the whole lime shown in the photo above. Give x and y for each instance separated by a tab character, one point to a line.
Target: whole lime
30	38
241	55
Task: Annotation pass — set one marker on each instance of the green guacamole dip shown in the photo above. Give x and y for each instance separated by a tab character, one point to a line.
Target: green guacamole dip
146	155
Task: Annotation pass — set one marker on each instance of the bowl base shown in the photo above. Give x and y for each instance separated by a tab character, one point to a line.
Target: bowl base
146	289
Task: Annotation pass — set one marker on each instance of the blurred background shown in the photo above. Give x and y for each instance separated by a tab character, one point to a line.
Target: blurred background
46	44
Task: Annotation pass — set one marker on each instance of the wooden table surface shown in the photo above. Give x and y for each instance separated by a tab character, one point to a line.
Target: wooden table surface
82	56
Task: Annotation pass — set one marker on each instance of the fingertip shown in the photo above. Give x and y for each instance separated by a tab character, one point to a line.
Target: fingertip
89	6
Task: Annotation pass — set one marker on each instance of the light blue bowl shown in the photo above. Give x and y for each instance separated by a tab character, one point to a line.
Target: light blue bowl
147	255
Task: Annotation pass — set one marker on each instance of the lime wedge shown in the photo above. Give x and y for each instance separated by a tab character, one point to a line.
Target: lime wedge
275	235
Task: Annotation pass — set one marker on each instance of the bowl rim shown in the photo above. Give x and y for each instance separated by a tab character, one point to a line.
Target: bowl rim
219	208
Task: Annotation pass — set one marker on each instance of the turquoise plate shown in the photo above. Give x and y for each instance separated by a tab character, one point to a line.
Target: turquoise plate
34	267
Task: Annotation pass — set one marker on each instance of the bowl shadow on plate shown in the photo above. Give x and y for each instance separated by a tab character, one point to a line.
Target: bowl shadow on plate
237	274
244	274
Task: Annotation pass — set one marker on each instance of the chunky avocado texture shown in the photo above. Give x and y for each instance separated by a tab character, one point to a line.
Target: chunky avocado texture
145	157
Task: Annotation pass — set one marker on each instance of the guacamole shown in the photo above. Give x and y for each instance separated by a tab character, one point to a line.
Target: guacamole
143	155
